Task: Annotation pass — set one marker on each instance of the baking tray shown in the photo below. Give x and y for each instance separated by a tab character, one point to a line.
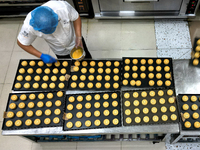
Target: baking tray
158	105
145	81
190	111
193	52
31	82
42	117
95	74
92	110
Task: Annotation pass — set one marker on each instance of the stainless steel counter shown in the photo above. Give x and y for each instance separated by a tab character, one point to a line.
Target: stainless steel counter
186	81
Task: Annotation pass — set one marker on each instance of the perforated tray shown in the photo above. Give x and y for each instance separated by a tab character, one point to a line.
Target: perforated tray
41	81
101	109
34	109
135	75
149	106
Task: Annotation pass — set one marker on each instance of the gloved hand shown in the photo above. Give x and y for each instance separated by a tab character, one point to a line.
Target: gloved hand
79	42
47	58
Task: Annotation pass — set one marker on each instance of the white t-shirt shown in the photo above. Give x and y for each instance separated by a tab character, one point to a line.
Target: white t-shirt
62	41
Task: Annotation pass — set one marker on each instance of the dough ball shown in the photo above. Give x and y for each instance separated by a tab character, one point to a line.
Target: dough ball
166	61
30	71
106	112
88	105
24	63
18	85
167	83
84	63
14	97
144	102
146	119
172	108
97	122
65	63
126	95
128	120
18	123
135	94
28	122
91	77
31	105
134	68
143	61
100	64
48	103
127	112
90	85
27	85
136	103
160	93
63	71
108	63
36	85
79	106
39	71
196	124
170	92
193	98
144	94
20	78
115	85
56	120
23	97
116	70
158	61
155	118
97	97
88	123
97	113
163	109
187	124
151	83
57	64
167	68
153	101
158	68
167	75
115	112
171	100
115	78
70	106
150	68
136	111
195	115
127	68
58	103
143	75
92	63
40	63
98	85
55	71
159	83
47	121
107	85
142	68
127	61
151	75
29	113
145	110
186	115
150	61
173	117
164	117
116	63
81	85
91	70
114	95
40	104
138	83
22	70
73	85
152	93
115	121
37	78
132	82
12	106
10	114
162	101
106	122
32	63
47	112
158	75
79	115
154	110
195	62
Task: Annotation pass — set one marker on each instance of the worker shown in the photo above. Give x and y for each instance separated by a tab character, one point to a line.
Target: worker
59	24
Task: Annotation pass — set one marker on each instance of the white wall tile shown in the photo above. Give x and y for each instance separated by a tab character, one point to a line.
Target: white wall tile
175	53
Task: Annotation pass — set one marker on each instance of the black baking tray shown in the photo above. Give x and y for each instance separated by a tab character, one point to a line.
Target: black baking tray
41	76
42	117
190	111
193	52
149	106
145	82
92	110
103	81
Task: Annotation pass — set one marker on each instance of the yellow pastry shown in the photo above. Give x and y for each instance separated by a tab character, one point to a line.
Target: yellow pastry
170	92
91	77
114	95
136	111
78	124
126	75
84	63
59	93
126	68
195	62
187	124
79	106
37	78
32	96
160	93
162	101
71	99
196	124
108	70
155	118
37	121
88	114
134	68
138	83
74	77
80	98
158	61
128	120
97	122
90	85
62	85
39	71
23	97
105	104
164	117
97	113
142	68
151	75
65	63
186	115
115	112
136	103
32	63
151	83
108	63
87	105
107	85
106	112
91	70
159	76
167	75
166	61
97	97
144	102
150	61
135	61
79	115
172	109
56	120
158	68
45	78
146	119
171	100
167	68
39	113
143	61
40	104
54	78
84	70
14	97
92	63
75	68
40	63
55	71
36	85
41	96
127	112
116	78
30	71
98	85
88	123
47	121
145	110
18	123
127	103
48	103
47	112
58	103
100	64
115	121
144	94
163	109
20	114
105	96
125	82
10	114
173	117
115	85
29	113
127	61
50	95
28	122
12	106
195	115
116	63
31	105
57	64
167	83
153	101
24	63
193	98
116	70
150	68
70	106
154	110
106	122
114	103
99	77
28	78
81	85
137	119
152	93
135	94
20	78
185	107
194	107
69	116
22	70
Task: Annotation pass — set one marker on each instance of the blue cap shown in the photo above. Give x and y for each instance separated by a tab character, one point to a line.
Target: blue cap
44	19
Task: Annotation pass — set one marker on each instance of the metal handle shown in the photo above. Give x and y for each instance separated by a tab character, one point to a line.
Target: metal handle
140	0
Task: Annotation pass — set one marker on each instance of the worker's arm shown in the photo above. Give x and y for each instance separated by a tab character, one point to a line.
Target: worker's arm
30	49
78	32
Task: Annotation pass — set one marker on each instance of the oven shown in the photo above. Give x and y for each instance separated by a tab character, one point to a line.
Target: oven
127	9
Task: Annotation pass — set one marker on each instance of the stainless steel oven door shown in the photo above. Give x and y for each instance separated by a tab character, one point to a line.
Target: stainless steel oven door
139	7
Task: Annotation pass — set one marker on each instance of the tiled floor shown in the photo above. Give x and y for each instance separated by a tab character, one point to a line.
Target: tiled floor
105	39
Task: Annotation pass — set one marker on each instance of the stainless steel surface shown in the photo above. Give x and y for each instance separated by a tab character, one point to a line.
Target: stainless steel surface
168	128
117	9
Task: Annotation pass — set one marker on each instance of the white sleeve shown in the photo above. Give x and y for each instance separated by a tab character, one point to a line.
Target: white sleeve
25	37
73	14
